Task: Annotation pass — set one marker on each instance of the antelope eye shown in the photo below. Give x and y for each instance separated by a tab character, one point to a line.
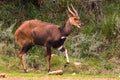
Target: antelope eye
76	19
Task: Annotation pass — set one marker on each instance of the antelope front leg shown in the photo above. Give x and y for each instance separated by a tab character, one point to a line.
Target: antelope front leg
62	49
66	54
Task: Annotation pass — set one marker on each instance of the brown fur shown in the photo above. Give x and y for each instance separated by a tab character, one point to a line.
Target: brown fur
36	32
24	34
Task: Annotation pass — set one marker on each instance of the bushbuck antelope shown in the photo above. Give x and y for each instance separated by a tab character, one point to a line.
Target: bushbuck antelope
36	32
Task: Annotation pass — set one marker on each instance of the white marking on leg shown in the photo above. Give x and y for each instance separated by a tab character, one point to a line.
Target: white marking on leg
66	54
60	48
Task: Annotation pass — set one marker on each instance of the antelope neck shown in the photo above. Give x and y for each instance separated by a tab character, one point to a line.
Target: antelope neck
66	29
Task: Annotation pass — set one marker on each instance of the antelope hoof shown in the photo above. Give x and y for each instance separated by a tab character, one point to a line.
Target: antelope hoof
48	70
25	70
66	64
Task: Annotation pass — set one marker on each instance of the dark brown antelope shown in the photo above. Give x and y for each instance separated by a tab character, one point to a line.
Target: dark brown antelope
36	32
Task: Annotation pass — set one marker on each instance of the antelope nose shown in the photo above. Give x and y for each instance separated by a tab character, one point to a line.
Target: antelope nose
82	24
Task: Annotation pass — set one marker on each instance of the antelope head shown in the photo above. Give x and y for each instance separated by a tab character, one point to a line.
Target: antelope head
74	17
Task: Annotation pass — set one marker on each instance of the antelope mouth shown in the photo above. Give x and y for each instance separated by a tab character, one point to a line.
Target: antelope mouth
79	26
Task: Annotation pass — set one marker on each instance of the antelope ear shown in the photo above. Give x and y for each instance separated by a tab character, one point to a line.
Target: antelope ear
69	13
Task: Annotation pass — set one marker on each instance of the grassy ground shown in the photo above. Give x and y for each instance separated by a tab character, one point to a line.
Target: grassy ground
12	68
19	75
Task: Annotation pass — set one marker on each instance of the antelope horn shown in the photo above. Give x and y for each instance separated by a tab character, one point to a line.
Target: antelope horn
70	10
74	10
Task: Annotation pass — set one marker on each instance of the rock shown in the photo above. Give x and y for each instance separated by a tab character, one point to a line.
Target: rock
74	73
57	72
77	63
54	55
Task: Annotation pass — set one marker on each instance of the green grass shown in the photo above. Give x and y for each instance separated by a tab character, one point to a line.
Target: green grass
15	71
18	74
